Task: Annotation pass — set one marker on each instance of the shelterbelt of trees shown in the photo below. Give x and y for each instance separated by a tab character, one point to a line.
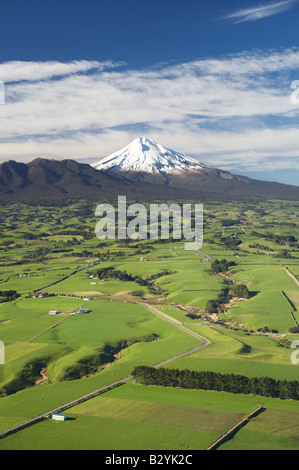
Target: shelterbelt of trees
262	386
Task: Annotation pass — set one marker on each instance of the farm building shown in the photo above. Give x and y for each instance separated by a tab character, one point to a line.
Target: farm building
57	417
53	312
83	310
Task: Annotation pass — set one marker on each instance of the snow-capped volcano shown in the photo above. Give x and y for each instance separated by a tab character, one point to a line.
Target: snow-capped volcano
144	155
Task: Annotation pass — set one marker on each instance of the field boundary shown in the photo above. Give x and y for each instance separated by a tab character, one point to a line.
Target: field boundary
292	306
47	329
239	425
289	300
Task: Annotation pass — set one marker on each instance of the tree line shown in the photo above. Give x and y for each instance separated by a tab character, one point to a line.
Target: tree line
112	273
205	380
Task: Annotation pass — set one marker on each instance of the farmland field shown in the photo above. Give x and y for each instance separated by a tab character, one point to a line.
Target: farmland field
146	302
162	419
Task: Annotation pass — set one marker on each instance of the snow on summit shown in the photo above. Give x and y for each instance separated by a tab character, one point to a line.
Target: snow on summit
144	155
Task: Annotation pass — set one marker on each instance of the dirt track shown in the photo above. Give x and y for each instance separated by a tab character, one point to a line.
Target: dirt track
292	276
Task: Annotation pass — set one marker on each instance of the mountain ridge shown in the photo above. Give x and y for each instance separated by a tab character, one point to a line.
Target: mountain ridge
45	181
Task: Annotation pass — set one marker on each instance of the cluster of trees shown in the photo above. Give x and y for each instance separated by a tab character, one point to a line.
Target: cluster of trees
112	273
284	240
241	291
232	383
214	306
221	266
284	254
26	378
294	329
265	329
8	295
72	231
261	247
231	243
288	240
229	222
37	253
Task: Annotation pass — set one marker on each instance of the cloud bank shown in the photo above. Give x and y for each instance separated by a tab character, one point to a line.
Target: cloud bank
230	112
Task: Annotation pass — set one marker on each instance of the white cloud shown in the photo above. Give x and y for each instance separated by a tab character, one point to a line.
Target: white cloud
17	71
260	12
208	108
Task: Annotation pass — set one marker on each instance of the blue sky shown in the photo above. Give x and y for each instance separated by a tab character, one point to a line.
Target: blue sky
208	78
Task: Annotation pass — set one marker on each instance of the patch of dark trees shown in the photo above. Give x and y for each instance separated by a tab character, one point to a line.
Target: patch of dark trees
294	329
240	291
26	378
284	240
231	243
221	266
112	273
205	380
8	295
215	306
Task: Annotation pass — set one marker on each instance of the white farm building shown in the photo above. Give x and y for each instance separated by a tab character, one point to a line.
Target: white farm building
53	312
57	417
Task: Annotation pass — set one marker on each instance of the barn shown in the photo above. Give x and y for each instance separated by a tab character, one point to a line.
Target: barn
57	417
53	312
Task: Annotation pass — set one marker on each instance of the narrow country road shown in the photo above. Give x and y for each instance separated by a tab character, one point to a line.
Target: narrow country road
177	324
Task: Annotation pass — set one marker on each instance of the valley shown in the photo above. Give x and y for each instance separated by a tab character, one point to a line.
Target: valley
147	305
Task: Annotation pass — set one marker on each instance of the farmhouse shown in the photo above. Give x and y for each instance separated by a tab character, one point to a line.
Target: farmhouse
53	312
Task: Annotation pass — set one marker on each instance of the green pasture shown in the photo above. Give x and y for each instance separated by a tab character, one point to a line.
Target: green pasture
267	305
235	352
163	419
81	336
34	282
273	429
191	284
25	318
